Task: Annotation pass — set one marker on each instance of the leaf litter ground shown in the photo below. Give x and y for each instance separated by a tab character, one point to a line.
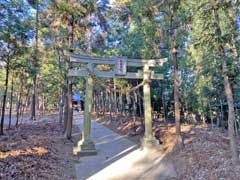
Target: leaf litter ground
37	150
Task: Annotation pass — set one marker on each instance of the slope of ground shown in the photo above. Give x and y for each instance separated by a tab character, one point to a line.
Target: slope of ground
206	155
37	150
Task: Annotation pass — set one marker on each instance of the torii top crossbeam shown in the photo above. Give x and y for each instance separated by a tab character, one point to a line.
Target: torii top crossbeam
83	59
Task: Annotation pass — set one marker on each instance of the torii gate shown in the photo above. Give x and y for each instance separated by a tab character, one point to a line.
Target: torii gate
86	146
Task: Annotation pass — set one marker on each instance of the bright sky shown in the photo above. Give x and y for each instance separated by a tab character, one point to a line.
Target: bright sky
111	1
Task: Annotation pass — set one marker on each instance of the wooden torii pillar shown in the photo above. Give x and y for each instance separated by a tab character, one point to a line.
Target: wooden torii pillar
86	145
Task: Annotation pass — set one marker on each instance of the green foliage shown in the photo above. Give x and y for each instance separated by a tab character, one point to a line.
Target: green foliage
135	29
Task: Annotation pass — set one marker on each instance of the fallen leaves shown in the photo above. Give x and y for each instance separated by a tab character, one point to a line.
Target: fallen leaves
207	156
37	150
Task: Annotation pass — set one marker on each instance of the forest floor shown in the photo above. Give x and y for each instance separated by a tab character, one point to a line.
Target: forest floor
205	156
37	150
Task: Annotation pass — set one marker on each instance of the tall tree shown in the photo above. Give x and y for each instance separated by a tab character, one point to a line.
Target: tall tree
11	103
35	4
174	47
5	94
227	86
68	32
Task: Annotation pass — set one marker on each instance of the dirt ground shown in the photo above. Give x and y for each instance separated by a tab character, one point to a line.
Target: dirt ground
37	150
206	153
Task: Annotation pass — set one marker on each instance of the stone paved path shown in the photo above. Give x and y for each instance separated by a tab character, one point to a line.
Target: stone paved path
120	159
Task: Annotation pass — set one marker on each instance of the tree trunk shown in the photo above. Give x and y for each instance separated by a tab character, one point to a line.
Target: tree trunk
10	110
176	78
221	106
121	103
220	115
110	105
113	111
211	117
236	128
115	97
19	104
96	102
68	132
103	98
61	106
4	96
134	108
24	106
128	104
230	102
34	86
139	103
65	110
164	108
33	105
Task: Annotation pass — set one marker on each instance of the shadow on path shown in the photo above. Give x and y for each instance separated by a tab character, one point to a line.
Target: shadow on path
121	159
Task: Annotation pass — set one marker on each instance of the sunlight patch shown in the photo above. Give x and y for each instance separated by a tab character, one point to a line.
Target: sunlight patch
14	153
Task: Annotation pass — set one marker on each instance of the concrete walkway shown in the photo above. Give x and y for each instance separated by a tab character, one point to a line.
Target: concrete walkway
120	159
